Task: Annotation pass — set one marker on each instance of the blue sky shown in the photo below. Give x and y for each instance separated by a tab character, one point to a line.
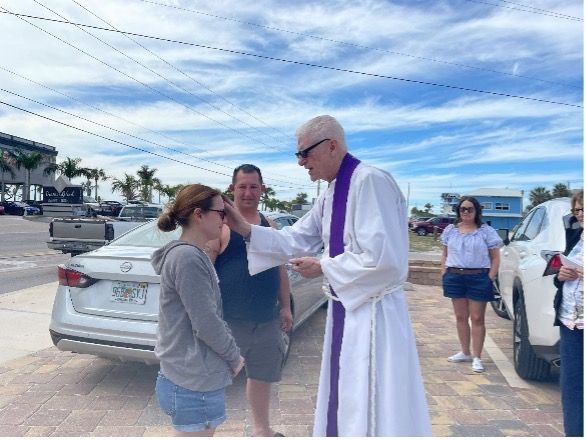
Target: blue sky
215	109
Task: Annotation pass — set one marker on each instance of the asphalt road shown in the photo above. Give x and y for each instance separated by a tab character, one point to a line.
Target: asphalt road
25	260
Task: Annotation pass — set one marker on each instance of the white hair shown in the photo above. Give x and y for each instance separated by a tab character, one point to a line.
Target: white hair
323	127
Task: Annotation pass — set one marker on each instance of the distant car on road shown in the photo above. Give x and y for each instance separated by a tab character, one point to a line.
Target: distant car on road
2	210
110	207
414	220
433	224
19	208
36	204
107	301
526	295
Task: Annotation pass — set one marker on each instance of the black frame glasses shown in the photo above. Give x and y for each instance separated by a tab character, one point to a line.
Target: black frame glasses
576	211
219	211
303	154
466	209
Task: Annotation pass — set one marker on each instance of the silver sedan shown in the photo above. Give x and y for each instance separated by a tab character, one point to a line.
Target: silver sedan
107	301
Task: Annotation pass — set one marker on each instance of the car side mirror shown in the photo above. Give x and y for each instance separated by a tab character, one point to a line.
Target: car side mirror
504	235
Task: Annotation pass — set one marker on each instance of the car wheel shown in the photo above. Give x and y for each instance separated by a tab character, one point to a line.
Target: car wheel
421	232
498	305
527	364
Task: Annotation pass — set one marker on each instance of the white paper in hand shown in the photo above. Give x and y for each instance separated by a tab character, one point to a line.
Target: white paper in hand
569	263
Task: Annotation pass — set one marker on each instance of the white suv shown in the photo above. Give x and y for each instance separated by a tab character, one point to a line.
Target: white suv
527	296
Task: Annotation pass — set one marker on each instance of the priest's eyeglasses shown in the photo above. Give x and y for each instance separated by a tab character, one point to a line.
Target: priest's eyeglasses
303	154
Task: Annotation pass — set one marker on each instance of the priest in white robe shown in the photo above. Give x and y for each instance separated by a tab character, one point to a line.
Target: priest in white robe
370	380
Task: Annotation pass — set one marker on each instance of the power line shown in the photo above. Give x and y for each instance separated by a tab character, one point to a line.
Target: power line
189	107
118	142
128	134
301	63
286	136
530	9
360	46
93	107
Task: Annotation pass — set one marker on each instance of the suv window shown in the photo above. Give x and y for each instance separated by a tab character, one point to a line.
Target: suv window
535	224
530	226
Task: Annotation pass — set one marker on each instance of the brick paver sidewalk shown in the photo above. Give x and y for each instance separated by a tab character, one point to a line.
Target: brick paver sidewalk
52	393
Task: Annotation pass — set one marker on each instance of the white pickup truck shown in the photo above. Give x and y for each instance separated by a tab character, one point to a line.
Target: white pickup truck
79	235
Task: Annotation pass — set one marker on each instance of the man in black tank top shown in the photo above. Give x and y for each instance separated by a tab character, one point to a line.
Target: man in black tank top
257	308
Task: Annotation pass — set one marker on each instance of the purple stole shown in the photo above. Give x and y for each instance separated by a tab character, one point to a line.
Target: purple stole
342	186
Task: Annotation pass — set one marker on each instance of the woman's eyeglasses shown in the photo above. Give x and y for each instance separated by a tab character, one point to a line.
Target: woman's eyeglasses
465	209
577	211
221	212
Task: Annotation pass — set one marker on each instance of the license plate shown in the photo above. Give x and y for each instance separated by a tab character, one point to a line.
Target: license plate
129	292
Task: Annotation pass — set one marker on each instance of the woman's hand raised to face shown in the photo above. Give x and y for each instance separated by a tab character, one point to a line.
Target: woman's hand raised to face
234	219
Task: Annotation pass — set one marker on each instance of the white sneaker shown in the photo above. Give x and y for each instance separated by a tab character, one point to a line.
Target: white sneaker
477	366
460	357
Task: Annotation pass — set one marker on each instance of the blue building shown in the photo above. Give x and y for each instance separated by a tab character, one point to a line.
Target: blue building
501	207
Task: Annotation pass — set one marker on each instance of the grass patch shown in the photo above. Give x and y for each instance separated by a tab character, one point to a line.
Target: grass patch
424	243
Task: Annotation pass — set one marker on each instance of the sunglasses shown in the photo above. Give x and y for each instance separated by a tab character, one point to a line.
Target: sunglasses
464	209
577	211
221	212
303	154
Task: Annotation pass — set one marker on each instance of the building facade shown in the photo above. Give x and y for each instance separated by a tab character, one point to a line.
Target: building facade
38	178
502	208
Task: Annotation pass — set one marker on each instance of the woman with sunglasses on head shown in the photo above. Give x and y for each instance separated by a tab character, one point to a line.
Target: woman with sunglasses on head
197	353
569	316
469	262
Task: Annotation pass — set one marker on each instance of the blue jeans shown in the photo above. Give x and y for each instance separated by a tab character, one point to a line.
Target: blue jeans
190	411
572	380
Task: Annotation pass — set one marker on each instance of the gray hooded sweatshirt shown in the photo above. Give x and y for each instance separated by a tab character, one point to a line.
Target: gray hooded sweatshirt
194	345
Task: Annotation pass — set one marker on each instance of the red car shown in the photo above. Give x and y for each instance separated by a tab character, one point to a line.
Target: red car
431	225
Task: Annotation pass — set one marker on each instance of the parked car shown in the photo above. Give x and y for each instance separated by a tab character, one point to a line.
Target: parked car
527	295
19	208
414	220
433	224
107	301
2	210
132	212
110	208
36	204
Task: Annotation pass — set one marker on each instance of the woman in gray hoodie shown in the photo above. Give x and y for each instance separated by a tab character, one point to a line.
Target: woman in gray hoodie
197	353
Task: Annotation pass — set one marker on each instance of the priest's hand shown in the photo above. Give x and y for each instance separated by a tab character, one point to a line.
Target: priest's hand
234	219
308	267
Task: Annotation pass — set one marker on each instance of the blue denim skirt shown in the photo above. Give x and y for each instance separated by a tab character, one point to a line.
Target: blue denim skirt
191	411
477	287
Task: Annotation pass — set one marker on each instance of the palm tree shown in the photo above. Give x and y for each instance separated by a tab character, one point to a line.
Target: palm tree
6	163
539	195
266	199
127	186
560	190
29	162
70	167
146	176
95	174
87	187
167	190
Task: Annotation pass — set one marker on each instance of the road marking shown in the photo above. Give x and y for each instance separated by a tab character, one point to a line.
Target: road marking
504	365
31	254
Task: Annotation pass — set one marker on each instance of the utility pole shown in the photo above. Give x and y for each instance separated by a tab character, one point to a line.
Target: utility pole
318	184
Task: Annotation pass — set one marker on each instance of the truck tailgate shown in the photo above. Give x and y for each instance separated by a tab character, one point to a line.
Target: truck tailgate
79	229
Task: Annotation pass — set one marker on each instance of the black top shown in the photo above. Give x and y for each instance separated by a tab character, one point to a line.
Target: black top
572	237
245	297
